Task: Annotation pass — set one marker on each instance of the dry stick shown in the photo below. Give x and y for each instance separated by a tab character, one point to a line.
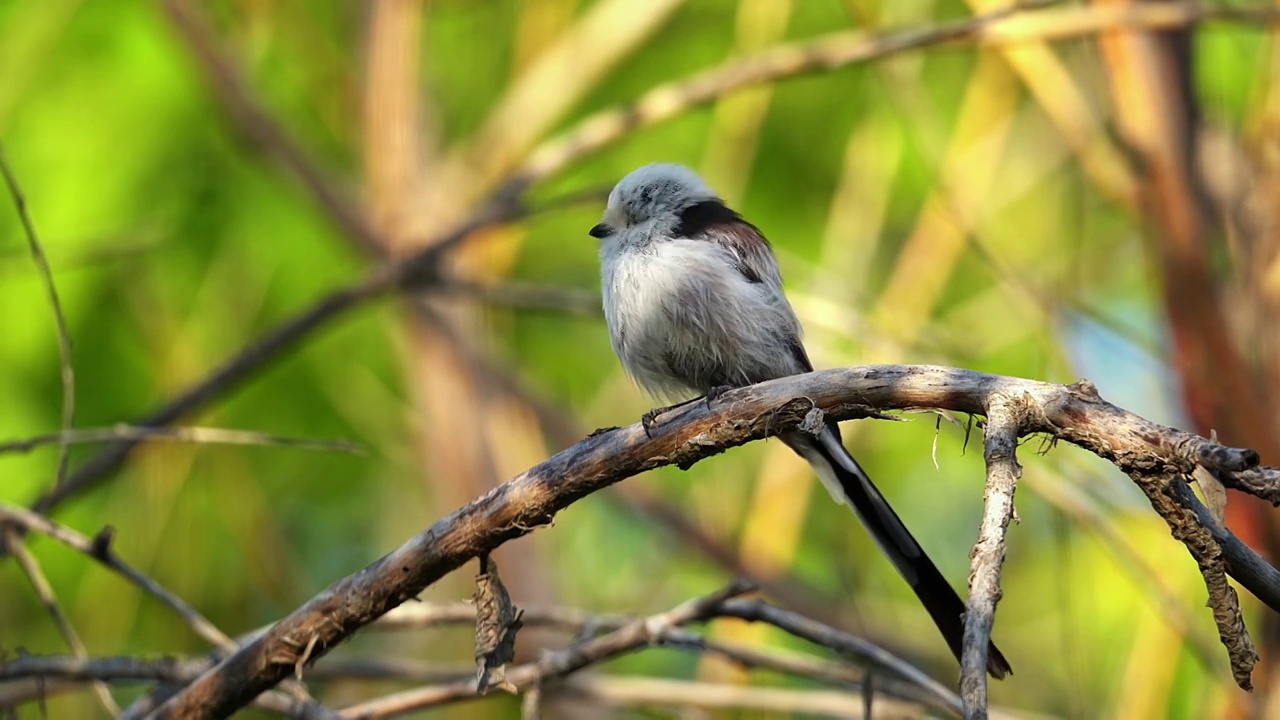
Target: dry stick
75	671
28	678
685	694
635	635
426	615
64	336
1000	448
44	591
1074	413
200	435
850	646
1179	507
99	548
841	49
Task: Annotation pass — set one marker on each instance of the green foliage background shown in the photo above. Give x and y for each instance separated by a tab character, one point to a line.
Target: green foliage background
175	242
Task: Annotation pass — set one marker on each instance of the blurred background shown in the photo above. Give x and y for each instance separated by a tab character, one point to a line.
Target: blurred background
1035	198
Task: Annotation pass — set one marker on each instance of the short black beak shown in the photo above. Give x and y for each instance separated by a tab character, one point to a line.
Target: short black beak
600	231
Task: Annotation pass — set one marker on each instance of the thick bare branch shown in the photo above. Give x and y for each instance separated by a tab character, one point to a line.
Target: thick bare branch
1074	413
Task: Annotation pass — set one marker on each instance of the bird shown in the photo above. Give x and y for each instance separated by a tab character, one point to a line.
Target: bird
694	304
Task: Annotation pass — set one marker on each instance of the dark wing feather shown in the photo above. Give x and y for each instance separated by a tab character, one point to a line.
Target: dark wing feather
711	220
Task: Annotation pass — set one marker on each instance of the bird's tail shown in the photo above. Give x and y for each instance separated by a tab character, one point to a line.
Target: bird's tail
849	484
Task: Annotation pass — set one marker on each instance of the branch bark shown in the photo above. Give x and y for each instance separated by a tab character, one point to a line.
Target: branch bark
1000	446
1146	451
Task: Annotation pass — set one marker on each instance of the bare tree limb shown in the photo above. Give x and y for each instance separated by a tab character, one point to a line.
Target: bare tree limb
1075	413
1000	446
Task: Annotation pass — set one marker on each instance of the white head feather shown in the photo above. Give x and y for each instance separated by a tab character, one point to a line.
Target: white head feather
655	192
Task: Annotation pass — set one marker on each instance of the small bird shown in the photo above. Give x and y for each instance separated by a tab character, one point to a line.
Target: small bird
694	303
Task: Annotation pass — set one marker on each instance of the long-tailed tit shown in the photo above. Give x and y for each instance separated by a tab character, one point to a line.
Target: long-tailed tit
694	303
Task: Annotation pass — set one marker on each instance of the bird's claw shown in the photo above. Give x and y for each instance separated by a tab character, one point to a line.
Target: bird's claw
646	420
714	394
603	430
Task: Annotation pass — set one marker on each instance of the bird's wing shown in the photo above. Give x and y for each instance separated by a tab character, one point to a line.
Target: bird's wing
712	221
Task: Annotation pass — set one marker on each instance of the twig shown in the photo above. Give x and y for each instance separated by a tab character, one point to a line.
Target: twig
64	335
1192	524
222	380
1000	445
44	591
1074	413
665	630
1020	23
427	615
201	435
34	677
100	550
412	273
852	647
173	670
634	635
656	692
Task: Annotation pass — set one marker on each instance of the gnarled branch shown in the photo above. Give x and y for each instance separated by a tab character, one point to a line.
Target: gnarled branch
1150	453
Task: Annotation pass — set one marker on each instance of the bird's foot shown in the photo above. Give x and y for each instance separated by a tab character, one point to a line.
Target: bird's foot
714	393
603	430
647	420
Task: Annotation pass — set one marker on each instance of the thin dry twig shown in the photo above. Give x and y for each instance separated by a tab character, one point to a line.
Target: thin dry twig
67	367
860	651
634	635
415	272
199	435
664	630
661	692
1020	23
427	615
99	548
1000	444
44	591
28	678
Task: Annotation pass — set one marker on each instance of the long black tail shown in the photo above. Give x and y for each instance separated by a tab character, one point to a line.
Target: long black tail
848	482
